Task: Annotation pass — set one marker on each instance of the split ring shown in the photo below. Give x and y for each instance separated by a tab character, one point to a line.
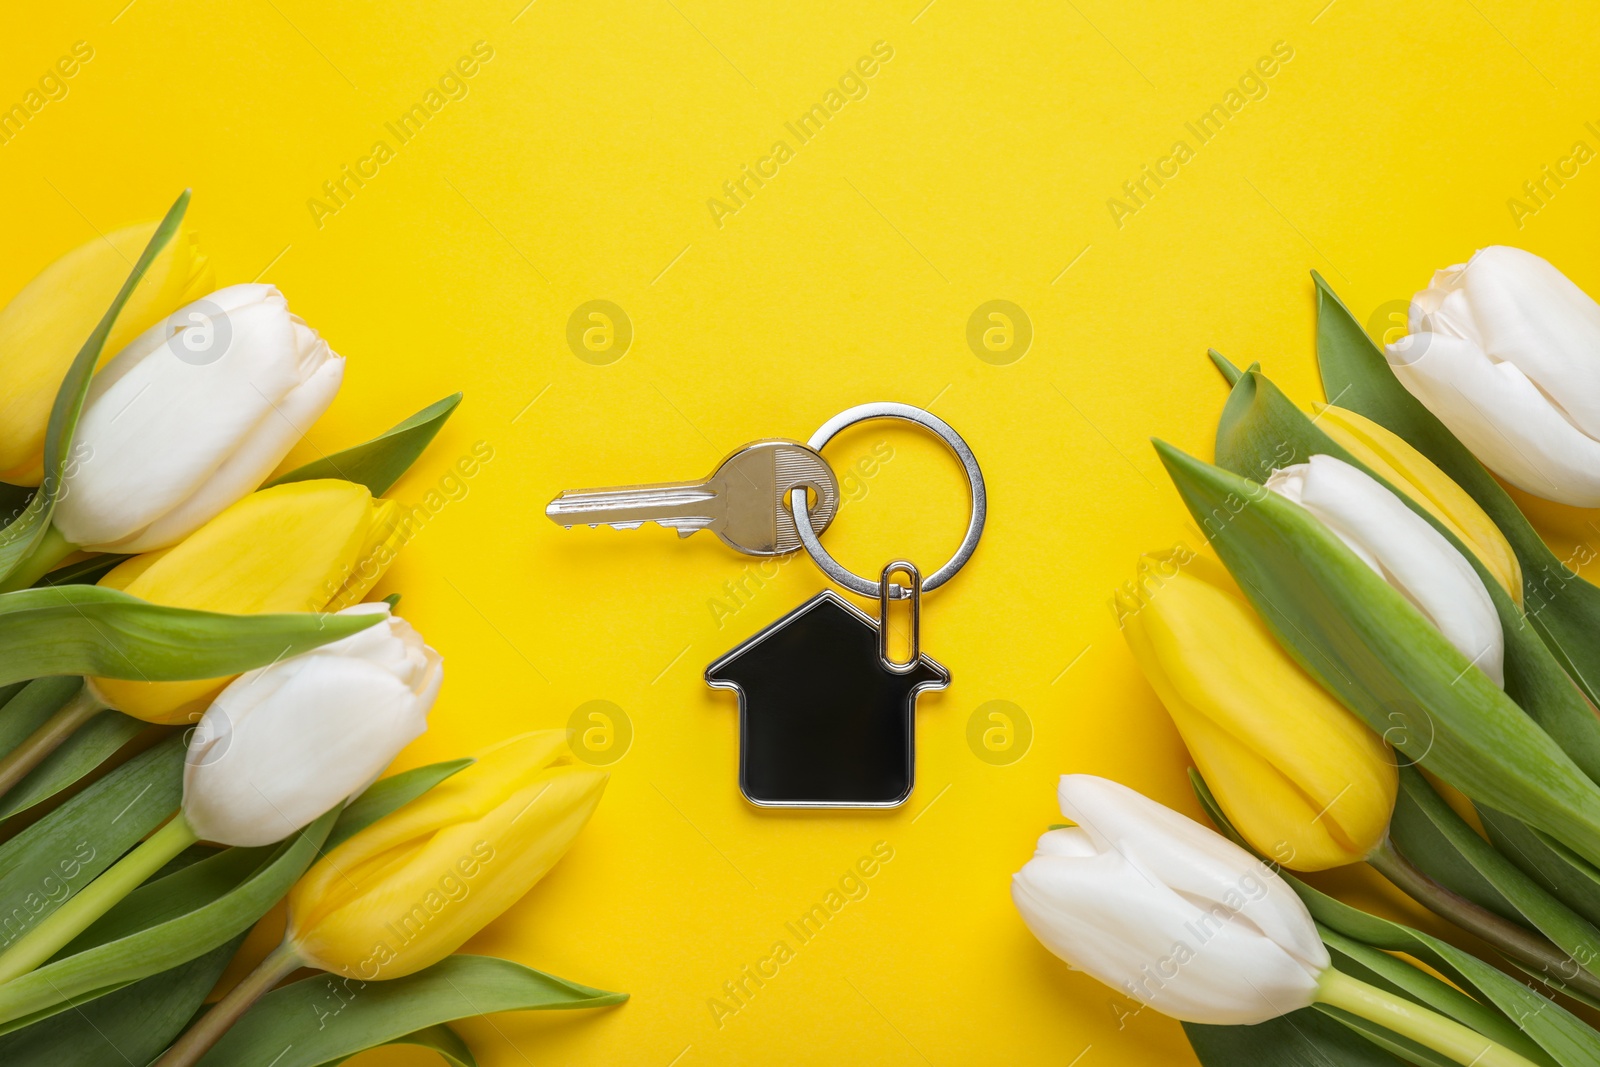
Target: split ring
946	433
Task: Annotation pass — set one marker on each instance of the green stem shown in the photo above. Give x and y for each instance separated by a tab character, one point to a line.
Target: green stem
1517	942
51	549
279	964
96	898
47	738
1410	1019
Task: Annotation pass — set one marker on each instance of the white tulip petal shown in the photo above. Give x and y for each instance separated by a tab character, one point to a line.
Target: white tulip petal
1066	841
1527	313
1166	911
1108	920
1193	861
1404	550
1505	351
240	474
1502	417
273	777
287	742
170	434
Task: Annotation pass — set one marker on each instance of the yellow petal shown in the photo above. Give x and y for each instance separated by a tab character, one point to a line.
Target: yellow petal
44	326
1393	459
277	550
412	887
468	794
1304	780
384	538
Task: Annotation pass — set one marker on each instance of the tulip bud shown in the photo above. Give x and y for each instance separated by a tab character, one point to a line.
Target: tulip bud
286	742
1177	917
1404	550
1505	351
190	416
1391	457
1300	776
45	325
411	888
303	546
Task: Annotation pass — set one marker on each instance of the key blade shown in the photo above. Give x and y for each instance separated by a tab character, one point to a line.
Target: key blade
683	507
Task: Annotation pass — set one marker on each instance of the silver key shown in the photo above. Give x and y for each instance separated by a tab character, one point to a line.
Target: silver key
745	501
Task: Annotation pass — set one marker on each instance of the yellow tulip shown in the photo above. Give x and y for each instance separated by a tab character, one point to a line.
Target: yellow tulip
1304	780
304	546
1391	458
45	325
411	888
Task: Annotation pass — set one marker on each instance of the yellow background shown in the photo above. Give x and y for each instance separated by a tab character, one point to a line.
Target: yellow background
978	167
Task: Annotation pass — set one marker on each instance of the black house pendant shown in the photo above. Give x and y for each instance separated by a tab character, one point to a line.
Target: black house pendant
823	722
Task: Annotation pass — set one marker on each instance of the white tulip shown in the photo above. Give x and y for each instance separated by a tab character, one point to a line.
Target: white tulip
1404	550
1167	911
190	417
287	742
1505	351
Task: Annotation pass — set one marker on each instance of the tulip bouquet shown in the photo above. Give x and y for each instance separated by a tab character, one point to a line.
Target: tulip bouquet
155	576
1374	659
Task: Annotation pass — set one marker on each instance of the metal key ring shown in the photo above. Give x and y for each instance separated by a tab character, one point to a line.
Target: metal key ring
980	499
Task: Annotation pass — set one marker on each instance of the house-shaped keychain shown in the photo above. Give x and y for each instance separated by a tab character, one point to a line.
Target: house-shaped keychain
823	720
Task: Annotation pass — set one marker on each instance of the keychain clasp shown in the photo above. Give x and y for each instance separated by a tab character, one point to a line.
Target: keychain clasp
913	593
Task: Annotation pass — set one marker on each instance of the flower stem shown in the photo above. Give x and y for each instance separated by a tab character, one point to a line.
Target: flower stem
47	738
1523	945
96	898
51	549
279	964
1410	1019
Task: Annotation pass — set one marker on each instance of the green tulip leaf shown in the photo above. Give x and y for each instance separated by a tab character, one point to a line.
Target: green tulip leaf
379	463
177	893
31	704
1408	1051
441	1039
1563	607
187	858
387	795
317	1020
89	746
1382	659
14	501
1360	960
1256	422
1562	874
1542	976
84	629
211	875
1418	842
1225	367
162	944
1397	976
1304	1038
1560	1034
84	572
23	535
131	1025
1534	906
57	856
1261	430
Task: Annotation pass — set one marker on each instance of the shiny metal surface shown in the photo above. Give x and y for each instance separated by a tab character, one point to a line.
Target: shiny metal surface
808	532
742	502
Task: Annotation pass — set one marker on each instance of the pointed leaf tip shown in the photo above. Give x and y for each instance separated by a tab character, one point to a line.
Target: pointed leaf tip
1229	372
